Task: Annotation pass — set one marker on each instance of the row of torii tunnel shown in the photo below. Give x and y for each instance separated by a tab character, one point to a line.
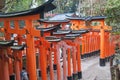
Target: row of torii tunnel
80	40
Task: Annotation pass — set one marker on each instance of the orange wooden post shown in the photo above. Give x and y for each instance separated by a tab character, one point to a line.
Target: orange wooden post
31	58
2	71
108	48
85	39
79	62
111	48
43	62
96	44
58	64
10	67
1	66
43	58
98	41
89	43
86	44
19	38
74	58
55	60
83	46
64	64
16	64
56	46
90	40
51	66
69	64
92	43
106	45
102	48
7	37
74	63
5	66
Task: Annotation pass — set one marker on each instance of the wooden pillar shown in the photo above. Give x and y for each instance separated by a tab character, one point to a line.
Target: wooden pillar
90	41
55	57
31	56
74	62
16	64
20	52
43	61
64	64
1	66
58	63
51	66
69	64
5	66
79	62
83	46
102	48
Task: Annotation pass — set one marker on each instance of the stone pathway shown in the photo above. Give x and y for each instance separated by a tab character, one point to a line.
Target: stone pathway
92	70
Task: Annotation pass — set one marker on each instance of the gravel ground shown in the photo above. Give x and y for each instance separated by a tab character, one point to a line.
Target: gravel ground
92	71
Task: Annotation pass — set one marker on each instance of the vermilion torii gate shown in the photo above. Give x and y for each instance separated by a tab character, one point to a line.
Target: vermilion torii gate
28	17
98	37
50	39
105	43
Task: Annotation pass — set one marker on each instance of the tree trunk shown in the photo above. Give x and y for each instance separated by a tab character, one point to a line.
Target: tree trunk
2	4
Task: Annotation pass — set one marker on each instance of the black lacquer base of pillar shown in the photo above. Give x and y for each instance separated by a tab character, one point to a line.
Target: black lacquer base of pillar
69	78
48	69
75	76
82	56
39	73
102	62
55	67
79	75
12	77
94	53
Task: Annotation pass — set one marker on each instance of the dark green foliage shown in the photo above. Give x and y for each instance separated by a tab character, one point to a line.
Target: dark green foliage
113	14
20	5
64	6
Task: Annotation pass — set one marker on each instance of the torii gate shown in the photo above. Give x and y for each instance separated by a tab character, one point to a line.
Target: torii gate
28	16
104	32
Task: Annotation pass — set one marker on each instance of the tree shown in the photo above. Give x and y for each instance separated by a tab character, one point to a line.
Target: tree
20	5
113	14
64	6
2	4
91	7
